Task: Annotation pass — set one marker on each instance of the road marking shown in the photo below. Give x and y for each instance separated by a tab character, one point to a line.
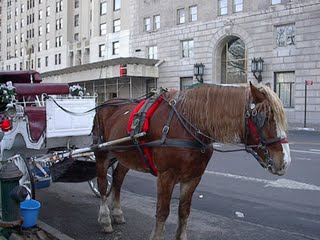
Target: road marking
302	158
303	151
279	183
315	150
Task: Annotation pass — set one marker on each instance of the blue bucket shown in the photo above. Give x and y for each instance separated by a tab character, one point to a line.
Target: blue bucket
29	212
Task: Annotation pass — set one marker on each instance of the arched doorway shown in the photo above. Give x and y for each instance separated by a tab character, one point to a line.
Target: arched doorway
233	61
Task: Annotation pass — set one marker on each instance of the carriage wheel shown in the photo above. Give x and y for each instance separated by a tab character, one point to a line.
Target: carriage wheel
27	179
93	184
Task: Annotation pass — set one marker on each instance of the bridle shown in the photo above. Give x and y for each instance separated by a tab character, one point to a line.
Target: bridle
255	121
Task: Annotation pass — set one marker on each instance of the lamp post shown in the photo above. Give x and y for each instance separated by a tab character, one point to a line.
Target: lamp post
199	71
257	67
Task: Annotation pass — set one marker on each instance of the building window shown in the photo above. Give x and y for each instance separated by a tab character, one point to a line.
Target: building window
153	52
223	7
285	88
76	37
76	3
193	10
40	31
47	27
48	11
22	23
187	48
39	46
237	6
76	20
233	62
116	25
22	37
59	6
40	1
46	61
181	16
185	82
147	24
115	48
47	44
22	8
116	4
40	14
275	2
285	35
102	50
103	29
57	59
103	8
59	24
156	22
39	62
59	41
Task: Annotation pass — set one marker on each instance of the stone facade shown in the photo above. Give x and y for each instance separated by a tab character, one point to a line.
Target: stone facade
256	26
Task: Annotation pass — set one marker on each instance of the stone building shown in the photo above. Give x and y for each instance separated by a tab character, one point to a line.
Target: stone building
159	42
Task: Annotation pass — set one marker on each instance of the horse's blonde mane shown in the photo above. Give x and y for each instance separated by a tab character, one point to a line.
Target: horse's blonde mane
216	110
219	110
277	108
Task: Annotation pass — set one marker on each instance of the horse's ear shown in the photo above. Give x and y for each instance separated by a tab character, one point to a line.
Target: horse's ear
257	95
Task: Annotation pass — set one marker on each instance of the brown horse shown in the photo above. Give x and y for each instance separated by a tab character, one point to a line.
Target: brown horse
252	115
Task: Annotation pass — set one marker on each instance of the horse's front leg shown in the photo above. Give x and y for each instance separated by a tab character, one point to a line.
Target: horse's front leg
117	180
165	185
104	212
186	192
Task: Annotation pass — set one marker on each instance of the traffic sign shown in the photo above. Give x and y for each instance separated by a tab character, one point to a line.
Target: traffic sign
309	82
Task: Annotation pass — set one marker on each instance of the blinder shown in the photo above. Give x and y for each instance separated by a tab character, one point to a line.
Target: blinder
255	122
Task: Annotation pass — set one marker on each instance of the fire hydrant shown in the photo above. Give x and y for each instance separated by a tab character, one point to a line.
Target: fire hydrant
11	194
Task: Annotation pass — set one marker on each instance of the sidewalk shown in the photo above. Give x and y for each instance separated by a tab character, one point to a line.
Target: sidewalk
40	232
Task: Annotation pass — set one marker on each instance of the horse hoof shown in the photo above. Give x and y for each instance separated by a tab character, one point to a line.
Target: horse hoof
107	229
118	219
117	216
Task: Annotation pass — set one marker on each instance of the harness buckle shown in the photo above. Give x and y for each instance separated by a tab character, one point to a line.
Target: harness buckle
172	102
165	129
254	112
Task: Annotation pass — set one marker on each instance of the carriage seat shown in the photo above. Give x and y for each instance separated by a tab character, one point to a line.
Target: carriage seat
27	89
36	121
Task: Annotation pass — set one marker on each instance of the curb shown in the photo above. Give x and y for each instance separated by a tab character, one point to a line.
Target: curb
52	231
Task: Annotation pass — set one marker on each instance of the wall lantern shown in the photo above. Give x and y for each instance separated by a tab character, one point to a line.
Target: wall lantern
199	71
257	67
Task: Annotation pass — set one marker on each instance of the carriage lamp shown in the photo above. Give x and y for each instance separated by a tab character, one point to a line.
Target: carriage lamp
257	67
199	71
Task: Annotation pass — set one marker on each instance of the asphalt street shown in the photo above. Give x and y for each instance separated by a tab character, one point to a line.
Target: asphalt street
236	199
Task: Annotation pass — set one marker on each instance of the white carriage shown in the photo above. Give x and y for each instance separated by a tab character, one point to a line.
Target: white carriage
41	125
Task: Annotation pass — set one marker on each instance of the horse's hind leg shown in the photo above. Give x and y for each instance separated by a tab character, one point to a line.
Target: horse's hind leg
186	192
117	180
165	185
104	212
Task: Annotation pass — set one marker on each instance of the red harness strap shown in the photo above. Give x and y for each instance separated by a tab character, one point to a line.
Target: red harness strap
145	127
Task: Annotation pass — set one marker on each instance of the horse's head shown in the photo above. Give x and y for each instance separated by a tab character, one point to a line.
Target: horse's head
266	130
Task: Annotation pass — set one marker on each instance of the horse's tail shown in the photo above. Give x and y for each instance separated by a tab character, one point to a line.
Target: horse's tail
97	131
